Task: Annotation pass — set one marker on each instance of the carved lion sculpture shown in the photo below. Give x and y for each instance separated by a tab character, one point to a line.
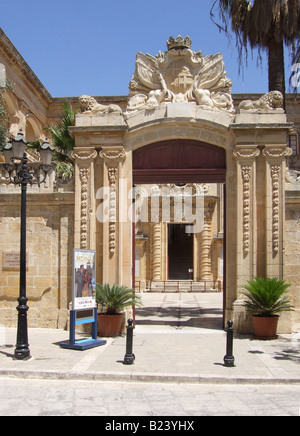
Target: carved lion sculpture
89	104
271	101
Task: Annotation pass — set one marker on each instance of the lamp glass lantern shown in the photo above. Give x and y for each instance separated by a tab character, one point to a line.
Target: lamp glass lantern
8	151
19	145
46	153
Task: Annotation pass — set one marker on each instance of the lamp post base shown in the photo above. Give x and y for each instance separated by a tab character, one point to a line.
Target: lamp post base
22	351
22	354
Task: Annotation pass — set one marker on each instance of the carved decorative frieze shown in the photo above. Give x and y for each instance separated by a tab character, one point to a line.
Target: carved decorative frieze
113	154
246	175
277	152
275	174
84	178
84	155
112	177
246	153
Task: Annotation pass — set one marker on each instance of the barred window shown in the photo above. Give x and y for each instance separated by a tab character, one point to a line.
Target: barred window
292	142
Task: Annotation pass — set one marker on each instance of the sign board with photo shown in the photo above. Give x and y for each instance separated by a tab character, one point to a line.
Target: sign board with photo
84	279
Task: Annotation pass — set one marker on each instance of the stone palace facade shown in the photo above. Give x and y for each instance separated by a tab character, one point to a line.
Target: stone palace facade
178	186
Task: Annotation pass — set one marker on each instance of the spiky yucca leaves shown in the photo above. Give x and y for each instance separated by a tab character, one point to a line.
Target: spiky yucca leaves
267	297
114	299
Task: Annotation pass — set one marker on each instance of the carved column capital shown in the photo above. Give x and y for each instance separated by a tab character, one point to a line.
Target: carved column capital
84	155
112	154
246	152
277	152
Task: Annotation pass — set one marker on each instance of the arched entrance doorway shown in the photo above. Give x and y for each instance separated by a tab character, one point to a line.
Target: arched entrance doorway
175	253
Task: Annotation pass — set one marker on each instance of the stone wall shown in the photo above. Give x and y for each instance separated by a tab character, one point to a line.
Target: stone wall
292	252
50	230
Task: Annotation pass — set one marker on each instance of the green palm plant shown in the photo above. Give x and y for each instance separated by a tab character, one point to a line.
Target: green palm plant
114	299
59	132
267	297
266	25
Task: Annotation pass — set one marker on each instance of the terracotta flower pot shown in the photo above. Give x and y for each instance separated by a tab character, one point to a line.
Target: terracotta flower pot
109	325
265	327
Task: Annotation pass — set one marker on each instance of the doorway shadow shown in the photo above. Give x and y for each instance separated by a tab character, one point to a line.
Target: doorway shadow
179	317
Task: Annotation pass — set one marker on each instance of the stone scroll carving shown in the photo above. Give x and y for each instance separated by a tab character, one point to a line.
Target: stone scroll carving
180	75
84	178
275	156
246	156
112	176
112	156
275	174
246	175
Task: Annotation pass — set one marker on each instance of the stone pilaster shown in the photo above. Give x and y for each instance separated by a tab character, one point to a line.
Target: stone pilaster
246	213
84	198
113	157
206	241
275	162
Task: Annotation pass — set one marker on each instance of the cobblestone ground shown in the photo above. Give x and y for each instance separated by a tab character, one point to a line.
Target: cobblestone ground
74	398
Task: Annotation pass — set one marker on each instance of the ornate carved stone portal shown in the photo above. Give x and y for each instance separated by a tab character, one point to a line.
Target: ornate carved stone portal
180	101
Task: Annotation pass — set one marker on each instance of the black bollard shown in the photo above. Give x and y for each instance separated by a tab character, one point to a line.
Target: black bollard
229	359
129	356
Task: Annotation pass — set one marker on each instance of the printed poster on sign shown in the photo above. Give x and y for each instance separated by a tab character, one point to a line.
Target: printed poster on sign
84	279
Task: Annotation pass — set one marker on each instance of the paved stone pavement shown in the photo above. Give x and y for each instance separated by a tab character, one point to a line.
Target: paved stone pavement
178	337
178	340
154	402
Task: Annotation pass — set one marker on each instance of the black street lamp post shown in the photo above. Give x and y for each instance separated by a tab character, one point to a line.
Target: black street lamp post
19	174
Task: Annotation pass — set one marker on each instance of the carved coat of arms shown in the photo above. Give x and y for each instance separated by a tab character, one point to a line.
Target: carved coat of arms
180	75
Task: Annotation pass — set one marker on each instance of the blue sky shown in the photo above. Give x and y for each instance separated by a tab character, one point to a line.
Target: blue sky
80	47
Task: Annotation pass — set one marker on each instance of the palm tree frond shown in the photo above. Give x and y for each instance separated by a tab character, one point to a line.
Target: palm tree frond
267	297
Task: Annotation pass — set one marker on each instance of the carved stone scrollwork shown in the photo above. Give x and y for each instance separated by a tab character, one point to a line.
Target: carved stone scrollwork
84	155
275	174
114	154
84	178
246	155
277	152
246	175
112	176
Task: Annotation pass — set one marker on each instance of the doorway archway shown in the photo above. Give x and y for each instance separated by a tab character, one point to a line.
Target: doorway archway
180	162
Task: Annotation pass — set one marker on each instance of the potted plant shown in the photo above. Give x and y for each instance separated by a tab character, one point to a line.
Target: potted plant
112	300
266	299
